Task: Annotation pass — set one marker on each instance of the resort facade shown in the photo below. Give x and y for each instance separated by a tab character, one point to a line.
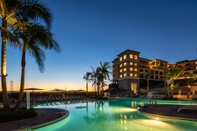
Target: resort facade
132	72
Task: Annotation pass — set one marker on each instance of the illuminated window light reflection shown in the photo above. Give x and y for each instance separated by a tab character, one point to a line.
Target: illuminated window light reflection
125	110
153	123
157	118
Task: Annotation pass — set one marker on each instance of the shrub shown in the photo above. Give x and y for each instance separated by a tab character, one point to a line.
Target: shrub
194	98
16	115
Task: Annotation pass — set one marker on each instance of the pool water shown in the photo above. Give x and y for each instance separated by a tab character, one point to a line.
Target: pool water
113	115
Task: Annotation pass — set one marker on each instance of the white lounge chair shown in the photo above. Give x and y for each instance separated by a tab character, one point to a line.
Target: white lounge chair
187	108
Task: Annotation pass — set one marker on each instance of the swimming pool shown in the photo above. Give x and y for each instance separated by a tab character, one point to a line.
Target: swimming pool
113	115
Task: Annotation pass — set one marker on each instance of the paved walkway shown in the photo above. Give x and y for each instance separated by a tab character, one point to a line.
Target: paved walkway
45	116
164	110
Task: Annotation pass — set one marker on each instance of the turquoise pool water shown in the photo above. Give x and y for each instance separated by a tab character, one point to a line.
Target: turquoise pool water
113	115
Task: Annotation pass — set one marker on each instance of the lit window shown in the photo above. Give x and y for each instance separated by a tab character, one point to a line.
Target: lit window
135	64
131	74
120	58
196	62
125	69
196	67
135	75
125	74
131	56
125	64
135	69
120	70
131	69
135	57
125	56
120	65
131	63
120	76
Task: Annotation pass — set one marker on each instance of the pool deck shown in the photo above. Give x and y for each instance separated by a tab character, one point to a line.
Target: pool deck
45	117
48	116
169	111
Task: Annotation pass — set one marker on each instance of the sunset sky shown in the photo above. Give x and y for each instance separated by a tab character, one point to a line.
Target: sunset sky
90	31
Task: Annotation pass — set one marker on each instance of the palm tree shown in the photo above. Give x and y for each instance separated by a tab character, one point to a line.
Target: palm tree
148	75
104	69
86	77
192	78
169	76
96	78
99	75
10	13
34	39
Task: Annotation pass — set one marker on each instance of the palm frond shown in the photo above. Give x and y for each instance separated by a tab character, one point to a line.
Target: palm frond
3	8
39	55
7	35
35	11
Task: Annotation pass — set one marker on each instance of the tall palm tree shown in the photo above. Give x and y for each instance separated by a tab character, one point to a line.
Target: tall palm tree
169	76
99	75
10	13
6	17
192	78
104	69
148	75
96	78
86	77
34	39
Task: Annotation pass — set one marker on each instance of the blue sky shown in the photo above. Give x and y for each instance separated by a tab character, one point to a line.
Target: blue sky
90	31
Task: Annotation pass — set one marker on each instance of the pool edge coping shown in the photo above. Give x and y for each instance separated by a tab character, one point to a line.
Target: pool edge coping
167	117
66	114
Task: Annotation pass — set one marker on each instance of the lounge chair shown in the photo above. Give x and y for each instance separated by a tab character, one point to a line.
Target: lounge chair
191	108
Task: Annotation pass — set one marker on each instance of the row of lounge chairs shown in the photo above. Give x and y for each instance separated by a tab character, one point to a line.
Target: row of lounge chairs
54	98
153	97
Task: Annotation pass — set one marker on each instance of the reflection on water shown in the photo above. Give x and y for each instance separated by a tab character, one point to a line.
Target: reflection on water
116	115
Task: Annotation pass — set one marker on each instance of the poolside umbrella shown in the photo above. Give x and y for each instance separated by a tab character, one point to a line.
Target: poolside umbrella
58	90
33	89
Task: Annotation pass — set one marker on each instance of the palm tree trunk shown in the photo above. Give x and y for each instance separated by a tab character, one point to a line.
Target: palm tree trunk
102	94
147	85
172	89
172	92
95	90
167	87
20	97
98	90
87	88
3	72
102	91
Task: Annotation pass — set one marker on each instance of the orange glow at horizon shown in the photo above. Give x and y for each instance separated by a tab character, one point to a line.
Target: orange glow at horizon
48	87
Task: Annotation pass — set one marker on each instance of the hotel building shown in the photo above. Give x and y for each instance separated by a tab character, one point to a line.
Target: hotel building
132	72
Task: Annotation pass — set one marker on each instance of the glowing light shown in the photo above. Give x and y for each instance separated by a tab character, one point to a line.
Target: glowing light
154	124
157	118
125	110
125	121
